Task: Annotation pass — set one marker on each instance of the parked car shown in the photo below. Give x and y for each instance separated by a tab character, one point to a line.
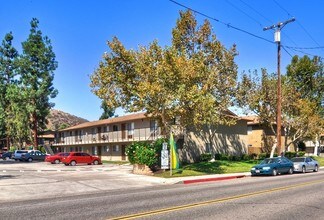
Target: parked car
56	158
79	157
17	154
304	164
33	155
7	155
273	166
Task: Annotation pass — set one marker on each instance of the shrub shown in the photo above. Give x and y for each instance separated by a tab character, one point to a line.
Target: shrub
246	157
234	158
12	148
262	156
41	149
301	153
225	157
142	153
290	154
205	157
218	156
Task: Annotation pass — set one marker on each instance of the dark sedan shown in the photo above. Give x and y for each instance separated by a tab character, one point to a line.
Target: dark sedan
273	166
33	155
7	155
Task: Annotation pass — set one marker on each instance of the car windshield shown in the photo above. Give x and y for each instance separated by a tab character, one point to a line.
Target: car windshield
269	160
298	159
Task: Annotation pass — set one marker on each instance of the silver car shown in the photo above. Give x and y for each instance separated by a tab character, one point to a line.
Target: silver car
304	164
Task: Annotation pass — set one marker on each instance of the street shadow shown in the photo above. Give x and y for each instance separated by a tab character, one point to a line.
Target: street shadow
7	177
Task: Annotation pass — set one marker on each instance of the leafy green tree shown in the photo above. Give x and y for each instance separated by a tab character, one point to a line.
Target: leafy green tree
307	76
37	64
8	71
108	112
301	117
193	79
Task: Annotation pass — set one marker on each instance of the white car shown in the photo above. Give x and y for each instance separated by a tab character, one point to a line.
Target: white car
304	164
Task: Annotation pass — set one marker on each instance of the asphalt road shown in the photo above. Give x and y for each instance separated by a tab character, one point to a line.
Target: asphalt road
298	196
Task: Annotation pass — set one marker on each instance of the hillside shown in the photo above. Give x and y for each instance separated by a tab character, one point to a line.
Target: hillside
59	120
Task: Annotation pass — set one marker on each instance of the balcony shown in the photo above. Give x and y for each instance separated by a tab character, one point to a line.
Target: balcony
142	134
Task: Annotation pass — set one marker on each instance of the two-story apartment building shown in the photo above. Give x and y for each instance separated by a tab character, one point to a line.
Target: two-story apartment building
107	138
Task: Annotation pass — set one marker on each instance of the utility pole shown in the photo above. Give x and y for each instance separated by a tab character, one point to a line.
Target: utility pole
277	28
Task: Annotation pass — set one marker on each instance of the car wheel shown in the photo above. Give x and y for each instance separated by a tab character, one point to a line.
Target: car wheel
73	163
96	162
7	158
274	172
316	168
57	161
30	159
291	170
303	169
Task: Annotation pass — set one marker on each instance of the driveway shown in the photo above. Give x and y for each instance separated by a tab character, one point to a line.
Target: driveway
25	181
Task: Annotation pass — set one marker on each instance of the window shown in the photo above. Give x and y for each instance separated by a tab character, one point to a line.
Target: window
153	126
115	128
207	145
106	148
115	148
130	129
106	128
94	151
249	129
71	149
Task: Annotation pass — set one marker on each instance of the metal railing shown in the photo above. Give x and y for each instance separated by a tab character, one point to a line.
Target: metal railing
140	134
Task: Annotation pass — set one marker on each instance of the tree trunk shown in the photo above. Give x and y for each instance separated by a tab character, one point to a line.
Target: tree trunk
35	130
317	144
273	149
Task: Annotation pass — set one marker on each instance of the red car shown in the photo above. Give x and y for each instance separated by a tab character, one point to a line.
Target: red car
79	157
57	158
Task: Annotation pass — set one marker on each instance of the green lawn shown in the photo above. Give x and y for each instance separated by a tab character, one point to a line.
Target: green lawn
217	167
320	160
205	168
115	162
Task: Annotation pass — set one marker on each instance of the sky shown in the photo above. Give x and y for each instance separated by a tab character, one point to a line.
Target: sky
80	29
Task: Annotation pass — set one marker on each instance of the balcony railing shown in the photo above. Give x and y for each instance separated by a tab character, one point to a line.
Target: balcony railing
141	134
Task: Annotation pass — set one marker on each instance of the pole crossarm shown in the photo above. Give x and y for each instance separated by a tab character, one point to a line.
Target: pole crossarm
280	25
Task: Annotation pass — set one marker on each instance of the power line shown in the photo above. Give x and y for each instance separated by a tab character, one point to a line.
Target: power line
224	23
304	29
256	11
246	14
306	48
283	47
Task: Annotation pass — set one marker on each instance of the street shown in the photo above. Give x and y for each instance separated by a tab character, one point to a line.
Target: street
297	196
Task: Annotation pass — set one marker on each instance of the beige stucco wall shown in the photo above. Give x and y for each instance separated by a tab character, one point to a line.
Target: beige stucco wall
230	140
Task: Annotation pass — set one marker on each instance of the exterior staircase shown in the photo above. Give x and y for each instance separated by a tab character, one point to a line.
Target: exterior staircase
48	149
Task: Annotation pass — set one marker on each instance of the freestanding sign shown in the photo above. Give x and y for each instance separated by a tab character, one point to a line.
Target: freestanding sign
165	156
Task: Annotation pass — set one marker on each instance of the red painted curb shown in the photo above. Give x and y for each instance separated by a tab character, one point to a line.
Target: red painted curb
212	179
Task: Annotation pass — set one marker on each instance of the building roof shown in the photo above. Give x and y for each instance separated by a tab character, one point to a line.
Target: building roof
125	118
252	119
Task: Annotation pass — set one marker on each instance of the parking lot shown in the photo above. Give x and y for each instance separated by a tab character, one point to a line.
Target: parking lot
24	181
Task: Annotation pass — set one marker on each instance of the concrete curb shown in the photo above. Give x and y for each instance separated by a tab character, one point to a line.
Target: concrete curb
212	179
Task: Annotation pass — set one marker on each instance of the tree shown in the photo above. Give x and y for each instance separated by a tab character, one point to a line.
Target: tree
8	71
301	107
37	64
307	75
108	112
193	79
